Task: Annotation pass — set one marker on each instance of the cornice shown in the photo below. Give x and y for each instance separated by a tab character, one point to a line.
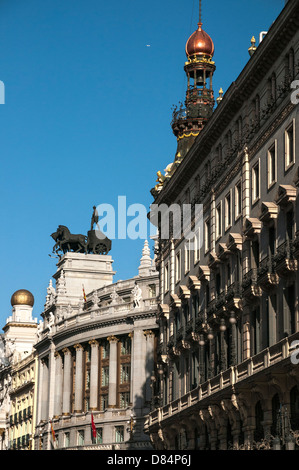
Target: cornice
18	325
98	324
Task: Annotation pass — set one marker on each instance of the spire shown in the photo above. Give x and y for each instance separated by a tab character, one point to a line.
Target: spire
190	119
200	19
145	260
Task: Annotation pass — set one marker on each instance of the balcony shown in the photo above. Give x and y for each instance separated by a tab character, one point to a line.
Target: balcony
285	262
229	381
220	302
250	286
233	296
267	278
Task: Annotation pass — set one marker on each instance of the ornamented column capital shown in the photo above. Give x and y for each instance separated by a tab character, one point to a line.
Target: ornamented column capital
93	342
112	339
78	346
148	333
66	351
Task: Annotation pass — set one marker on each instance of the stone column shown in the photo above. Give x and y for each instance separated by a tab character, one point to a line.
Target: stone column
79	379
172	269
131	335
66	396
149	366
45	388
94	375
58	385
112	398
233	352
39	391
51	381
139	370
201	359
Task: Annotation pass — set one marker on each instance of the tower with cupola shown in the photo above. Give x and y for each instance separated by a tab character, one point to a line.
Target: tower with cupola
190	118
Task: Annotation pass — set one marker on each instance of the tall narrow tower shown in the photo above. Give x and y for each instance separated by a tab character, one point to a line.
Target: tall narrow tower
188	121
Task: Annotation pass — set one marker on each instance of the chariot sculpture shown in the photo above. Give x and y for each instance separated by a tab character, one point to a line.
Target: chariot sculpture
94	243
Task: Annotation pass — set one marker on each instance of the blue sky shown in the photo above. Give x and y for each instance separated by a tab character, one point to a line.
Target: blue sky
87	114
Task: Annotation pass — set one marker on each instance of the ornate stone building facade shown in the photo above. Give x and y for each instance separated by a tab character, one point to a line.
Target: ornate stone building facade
18	370
96	354
228	307
23	393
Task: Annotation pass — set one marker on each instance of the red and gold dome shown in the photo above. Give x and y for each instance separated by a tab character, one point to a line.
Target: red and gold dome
200	43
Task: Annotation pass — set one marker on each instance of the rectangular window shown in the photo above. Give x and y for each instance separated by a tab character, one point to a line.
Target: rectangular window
255	182
228	211
105	376
119	434
207	235
87	386
238	200
271	165
166	278
81	437
196	247
66	439
125	373
289	146
228	274
99	438
104	402
87	405
125	346
124	399
218	221
105	350
152	291
178	267
187	255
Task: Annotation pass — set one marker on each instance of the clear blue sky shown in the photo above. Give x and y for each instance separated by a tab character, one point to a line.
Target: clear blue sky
87	114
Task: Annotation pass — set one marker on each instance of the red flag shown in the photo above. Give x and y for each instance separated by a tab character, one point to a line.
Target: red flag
94	431
84	295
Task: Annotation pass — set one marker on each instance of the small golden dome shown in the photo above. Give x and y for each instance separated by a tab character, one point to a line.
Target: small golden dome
22	297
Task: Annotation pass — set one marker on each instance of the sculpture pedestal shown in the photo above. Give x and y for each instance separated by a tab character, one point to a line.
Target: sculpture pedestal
88	270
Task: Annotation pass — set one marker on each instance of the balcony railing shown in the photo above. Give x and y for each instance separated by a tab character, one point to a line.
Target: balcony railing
278	353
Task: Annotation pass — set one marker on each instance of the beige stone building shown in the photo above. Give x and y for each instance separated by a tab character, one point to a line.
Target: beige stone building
96	355
18	370
23	393
228	306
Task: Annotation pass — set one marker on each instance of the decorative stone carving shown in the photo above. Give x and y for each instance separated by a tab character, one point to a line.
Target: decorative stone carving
137	296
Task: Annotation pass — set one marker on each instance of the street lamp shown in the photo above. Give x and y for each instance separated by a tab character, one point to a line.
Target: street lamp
222	326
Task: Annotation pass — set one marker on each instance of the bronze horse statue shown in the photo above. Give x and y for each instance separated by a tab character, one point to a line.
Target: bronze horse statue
66	241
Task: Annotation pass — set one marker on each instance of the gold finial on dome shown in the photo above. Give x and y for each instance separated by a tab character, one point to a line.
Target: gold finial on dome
22	297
